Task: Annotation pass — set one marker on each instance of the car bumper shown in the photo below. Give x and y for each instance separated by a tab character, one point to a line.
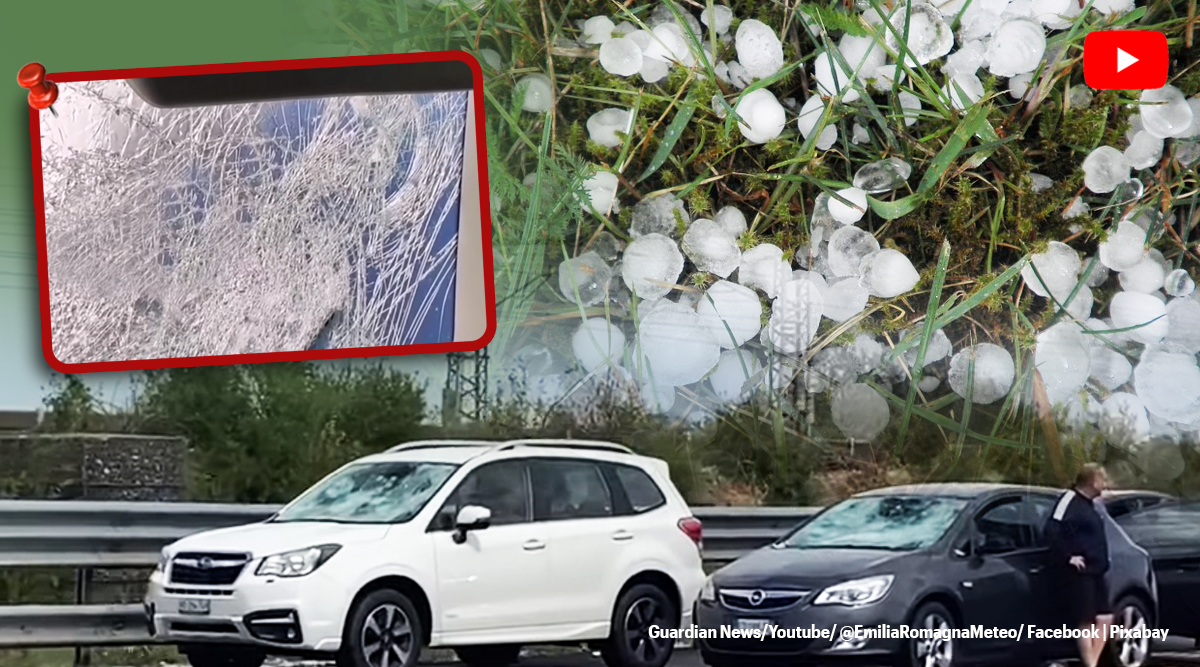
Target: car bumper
288	616
799	624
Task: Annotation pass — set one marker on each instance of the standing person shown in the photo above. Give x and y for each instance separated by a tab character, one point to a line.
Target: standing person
1079	558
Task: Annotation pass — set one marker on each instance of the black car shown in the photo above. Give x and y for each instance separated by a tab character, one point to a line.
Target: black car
1120	503
1171	535
923	556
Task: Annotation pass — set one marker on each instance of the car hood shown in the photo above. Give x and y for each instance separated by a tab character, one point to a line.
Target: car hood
266	539
773	566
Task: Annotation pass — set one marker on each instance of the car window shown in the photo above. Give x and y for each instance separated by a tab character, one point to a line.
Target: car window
900	523
640	490
565	489
1007	526
501	487
388	492
1163	526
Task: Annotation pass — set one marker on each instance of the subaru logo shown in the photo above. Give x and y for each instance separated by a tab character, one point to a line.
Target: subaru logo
206	563
756	598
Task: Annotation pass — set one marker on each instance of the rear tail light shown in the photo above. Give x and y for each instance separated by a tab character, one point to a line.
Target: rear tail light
694	529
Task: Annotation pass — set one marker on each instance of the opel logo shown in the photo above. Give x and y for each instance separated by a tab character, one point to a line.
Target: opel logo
756	598
206	563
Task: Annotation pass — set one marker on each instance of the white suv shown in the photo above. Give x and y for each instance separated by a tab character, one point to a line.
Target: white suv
478	546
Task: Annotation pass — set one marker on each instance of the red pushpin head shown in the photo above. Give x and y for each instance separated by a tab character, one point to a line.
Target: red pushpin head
31	75
43	95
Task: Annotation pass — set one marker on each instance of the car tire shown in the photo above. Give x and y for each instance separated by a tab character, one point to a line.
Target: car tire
1129	612
914	651
629	643
216	655
383	620
500	655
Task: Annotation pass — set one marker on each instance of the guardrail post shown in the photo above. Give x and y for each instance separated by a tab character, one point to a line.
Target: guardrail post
83	585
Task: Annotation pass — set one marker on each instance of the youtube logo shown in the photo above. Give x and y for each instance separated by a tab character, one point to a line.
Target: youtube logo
1125	59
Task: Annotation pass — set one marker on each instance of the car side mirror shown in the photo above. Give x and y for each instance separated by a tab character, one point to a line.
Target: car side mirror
471	517
978	544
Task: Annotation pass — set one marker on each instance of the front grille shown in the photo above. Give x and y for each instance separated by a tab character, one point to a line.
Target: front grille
209	592
760	646
207	569
206	627
754	599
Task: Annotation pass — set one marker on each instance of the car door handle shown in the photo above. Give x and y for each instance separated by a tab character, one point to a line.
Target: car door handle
535	545
622	535
968	584
1036	569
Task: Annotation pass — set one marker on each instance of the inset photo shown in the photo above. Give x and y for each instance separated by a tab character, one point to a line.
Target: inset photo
263	212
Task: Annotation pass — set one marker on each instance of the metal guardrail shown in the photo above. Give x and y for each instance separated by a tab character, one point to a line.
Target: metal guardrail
88	535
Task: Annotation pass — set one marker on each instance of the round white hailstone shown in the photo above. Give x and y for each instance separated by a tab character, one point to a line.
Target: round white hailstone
964	91
1056	14
1124	248
604	125
859	134
833	79
762	116
910	104
588	274
816	278
859	412
843	298
1183	319
929	36
738	75
1062	357
674	347
624	28
1018	86
764	268
863	55
1168	382
1109	367
597	343
669	45
938	348
491	58
718	17
847	248
732	220
1104	169
1097	276
601	189
1080	306
758	48
643	38
1145	276
1055	271
597	30
795	318
651	265
731	379
711	248
1165	112
732	312
657	400
992	376
889	273
1178	283
653	71
967	59
1135	309
852	212
929	383
538	94
1123	420
810	115
1040	182
621	56
1079	96
1016	48
719	106
1144	151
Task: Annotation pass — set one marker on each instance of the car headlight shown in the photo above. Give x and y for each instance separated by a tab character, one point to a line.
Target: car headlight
708	592
857	592
163	558
296	563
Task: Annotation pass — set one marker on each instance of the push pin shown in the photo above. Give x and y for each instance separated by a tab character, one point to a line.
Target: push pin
42	93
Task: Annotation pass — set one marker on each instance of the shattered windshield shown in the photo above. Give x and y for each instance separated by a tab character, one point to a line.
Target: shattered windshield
900	523
391	492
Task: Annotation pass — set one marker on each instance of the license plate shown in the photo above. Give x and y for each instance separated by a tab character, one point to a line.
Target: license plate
198	607
752	624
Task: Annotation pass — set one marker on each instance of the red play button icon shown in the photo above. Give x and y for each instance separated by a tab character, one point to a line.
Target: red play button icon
1125	59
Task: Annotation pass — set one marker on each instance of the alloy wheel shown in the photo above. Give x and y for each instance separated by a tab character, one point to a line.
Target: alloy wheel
935	651
642	615
387	637
1132	651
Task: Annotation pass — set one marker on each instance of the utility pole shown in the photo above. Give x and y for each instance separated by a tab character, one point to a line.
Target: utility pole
466	392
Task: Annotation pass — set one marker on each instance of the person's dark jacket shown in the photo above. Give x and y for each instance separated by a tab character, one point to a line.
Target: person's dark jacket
1076	528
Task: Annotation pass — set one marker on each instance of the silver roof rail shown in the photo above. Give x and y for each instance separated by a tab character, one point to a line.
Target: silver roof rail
593	445
434	444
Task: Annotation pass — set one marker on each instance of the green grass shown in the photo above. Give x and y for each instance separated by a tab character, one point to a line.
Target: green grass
968	221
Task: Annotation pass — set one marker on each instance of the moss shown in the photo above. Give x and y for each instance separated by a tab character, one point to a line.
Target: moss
698	203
